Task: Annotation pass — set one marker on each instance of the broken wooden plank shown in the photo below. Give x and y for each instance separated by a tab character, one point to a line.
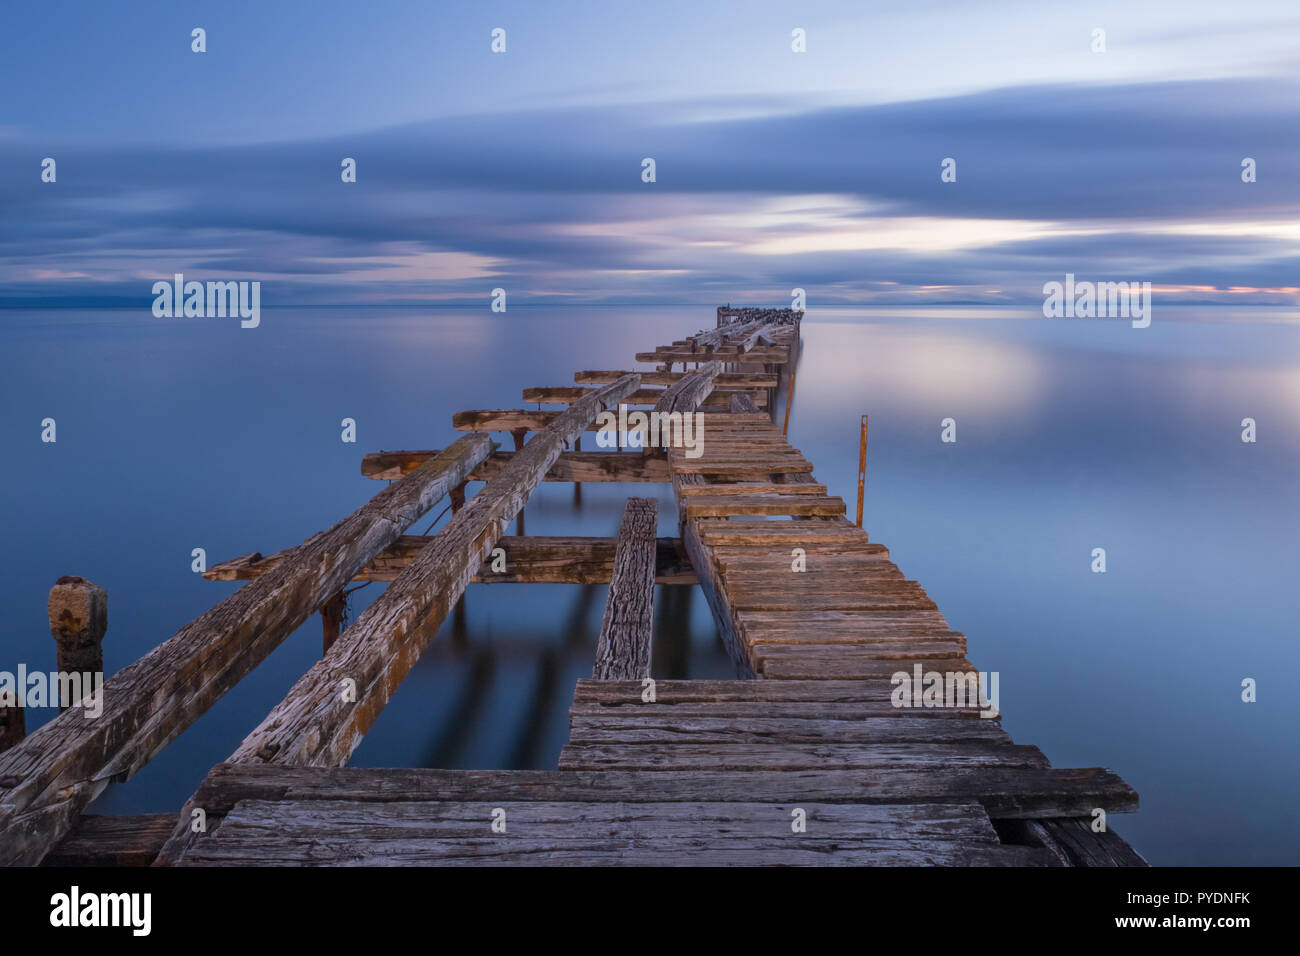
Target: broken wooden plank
1075	843
623	648
534	559
582	466
49	778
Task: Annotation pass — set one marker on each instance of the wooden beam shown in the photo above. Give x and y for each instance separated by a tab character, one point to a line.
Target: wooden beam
713	338
99	841
777	354
571	466
529	560
760	336
691	392
741	402
331	707
567	394
516	420
720	506
724	379
1074	843
48	779
623	649
1016	793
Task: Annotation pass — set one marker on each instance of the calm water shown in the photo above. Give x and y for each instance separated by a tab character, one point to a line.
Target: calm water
176	434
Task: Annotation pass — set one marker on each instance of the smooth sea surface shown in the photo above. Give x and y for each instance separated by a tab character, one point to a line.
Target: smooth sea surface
175	434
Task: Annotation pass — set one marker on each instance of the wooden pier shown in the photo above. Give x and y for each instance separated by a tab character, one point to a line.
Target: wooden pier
803	759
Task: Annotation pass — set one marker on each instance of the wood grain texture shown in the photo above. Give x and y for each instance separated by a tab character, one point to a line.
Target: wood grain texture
535	559
132	840
581	466
626	631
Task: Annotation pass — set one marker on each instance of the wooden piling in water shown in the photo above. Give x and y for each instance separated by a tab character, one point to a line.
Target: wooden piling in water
78	620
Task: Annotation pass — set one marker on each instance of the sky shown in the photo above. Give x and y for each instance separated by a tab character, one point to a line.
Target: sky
774	169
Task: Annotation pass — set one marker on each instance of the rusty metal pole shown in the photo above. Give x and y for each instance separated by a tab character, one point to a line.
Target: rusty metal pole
332	614
862	466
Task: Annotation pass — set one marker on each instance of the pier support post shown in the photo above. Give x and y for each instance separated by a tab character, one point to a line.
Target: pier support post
13	725
332	614
577	485
78	620
520	436
457	496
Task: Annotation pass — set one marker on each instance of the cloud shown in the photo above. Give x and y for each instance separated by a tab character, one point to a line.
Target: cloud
1104	179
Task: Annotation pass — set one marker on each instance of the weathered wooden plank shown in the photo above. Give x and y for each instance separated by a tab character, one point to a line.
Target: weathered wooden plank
865	621
113	841
772	354
752	488
724	380
668	728
719	506
861	709
687	691
509	420
737	467
863	600
721	335
692	391
627	629
338	832
753	757
855	659
757	562
583	466
315	724
566	394
49	778
1074	843
846	667
1015	793
534	559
